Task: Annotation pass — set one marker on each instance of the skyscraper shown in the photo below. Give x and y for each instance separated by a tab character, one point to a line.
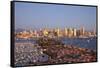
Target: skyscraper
82	31
74	32
70	32
66	32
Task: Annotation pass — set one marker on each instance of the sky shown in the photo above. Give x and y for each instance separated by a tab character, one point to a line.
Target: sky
36	16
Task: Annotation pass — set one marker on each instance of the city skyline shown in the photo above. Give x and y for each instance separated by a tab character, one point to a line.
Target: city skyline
36	16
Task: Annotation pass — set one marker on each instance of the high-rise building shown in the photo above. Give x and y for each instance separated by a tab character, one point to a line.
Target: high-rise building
78	33
74	32
66	32
70	32
82	31
58	32
35	32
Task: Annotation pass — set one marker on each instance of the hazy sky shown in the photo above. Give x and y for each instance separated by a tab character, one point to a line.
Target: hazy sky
35	15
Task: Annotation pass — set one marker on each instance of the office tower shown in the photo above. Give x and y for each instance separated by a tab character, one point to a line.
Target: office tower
35	32
57	31
70	32
66	32
74	32
82	31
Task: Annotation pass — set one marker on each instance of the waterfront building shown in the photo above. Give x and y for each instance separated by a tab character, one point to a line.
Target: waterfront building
57	31
65	32
70	32
82	31
35	32
78	33
74	32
